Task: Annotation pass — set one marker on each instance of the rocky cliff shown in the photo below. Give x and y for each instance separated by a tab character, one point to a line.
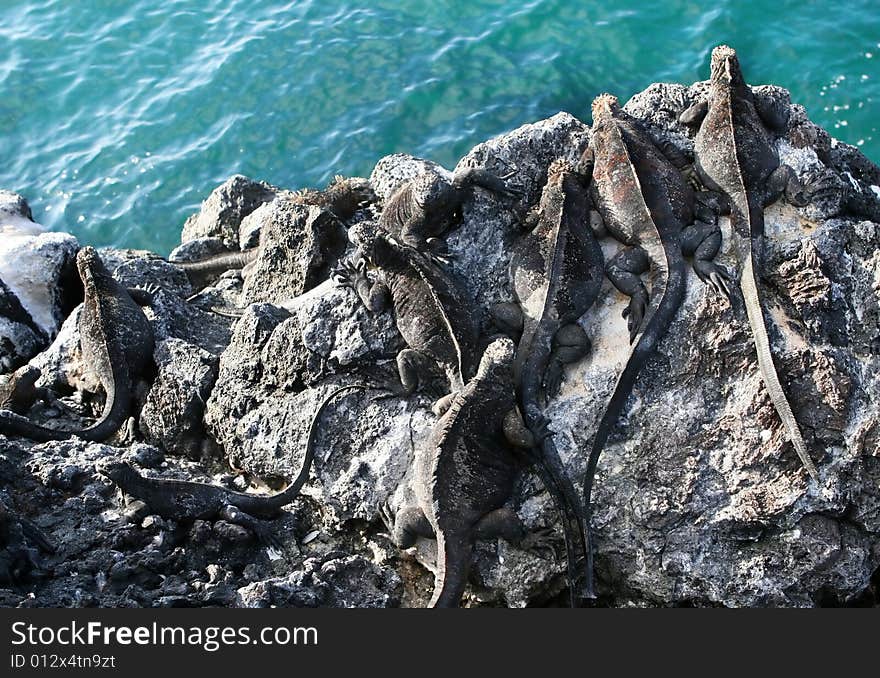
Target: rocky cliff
699	498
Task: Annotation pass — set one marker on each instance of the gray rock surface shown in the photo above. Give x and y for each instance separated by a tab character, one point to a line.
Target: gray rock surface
36	277
699	499
222	212
298	245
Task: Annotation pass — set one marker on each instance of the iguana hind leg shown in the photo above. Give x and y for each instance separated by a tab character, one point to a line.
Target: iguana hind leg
502	522
261	529
508	317
702	242
409	365
570	344
784	181
408	525
624	270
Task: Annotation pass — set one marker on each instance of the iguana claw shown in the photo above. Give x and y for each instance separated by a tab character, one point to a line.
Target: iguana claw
540	542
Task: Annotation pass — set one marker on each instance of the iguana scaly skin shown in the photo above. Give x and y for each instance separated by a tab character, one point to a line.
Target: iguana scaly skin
429	308
342	197
646	203
735	154
20	390
187	501
556	272
464	473
117	343
427	205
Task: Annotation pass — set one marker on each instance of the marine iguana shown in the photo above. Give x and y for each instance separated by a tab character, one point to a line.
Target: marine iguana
187	501
117	343
342	197
20	390
426	206
464	473
429	308
646	203
735	155
556	274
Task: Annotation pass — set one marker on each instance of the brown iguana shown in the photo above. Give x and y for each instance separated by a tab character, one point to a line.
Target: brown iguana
646	203
426	205
735	155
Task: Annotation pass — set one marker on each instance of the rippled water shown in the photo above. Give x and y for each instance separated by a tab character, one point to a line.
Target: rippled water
117	119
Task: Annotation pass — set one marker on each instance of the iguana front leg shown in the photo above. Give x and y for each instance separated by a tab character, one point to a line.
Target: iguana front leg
702	242
693	115
408	525
261	529
473	176
144	296
505	523
375	296
570	344
624	271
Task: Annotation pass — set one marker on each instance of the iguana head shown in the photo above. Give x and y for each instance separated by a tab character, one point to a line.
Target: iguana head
89	264
348	195
604	106
724	66
497	358
120	472
558	169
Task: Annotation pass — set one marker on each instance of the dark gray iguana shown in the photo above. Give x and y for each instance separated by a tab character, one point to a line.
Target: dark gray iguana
646	204
429	308
187	501
735	155
464	474
20	390
426	205
116	340
342	197
556	272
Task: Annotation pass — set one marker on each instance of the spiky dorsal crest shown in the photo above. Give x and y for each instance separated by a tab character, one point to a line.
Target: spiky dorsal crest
605	105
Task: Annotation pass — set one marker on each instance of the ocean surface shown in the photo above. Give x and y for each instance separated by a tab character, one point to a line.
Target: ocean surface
118	118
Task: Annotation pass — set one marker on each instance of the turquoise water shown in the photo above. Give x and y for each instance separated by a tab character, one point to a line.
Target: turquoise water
118	118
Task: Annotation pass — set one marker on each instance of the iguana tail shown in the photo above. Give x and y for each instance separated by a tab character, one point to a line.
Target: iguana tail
453	566
117	408
549	465
656	325
748	285
197	271
275	502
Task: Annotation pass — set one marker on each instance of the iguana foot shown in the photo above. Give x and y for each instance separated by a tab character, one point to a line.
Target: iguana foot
541	429
386	515
635	314
266	536
541	542
440	406
347	273
715	276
